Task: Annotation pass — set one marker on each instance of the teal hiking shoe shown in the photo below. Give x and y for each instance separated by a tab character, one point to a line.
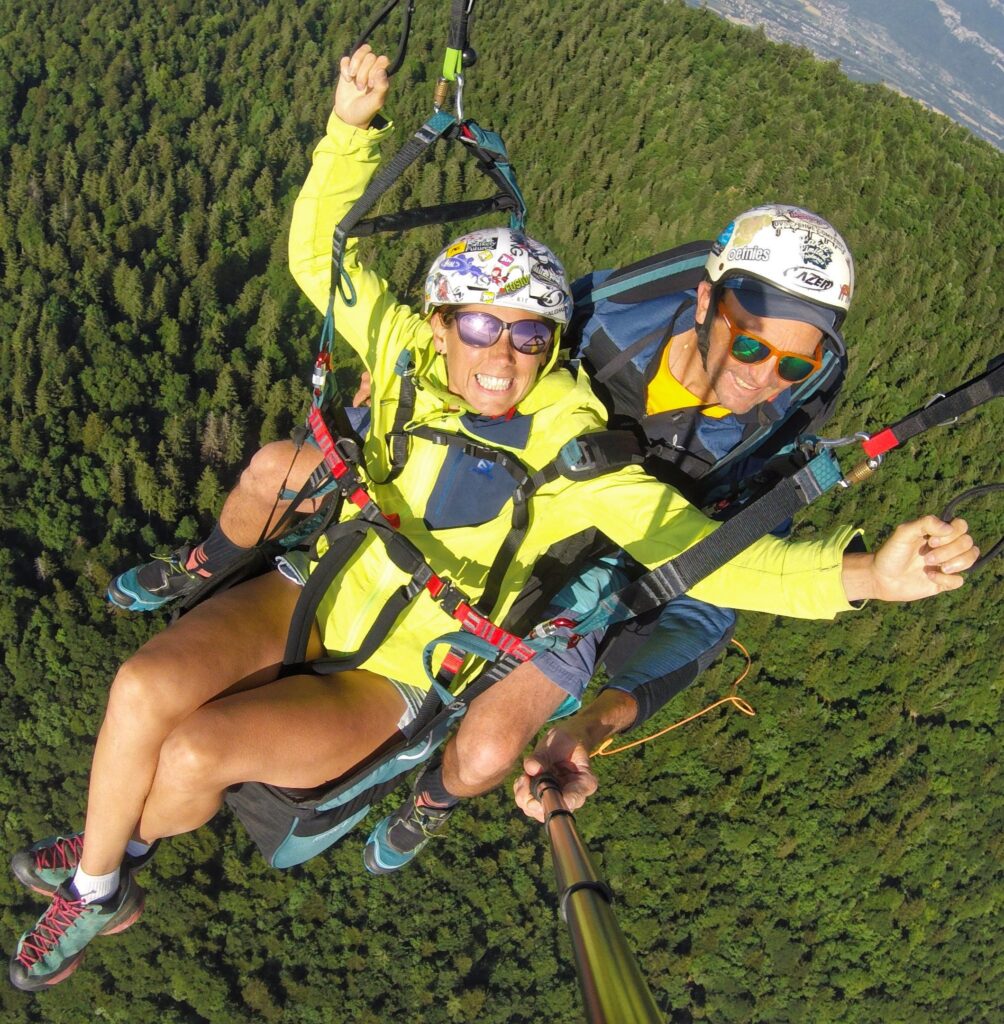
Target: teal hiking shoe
49	863
52	949
145	588
397	838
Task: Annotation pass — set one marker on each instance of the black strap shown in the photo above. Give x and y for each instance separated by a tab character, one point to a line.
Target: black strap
732	537
344	540
944	410
444	213
603	374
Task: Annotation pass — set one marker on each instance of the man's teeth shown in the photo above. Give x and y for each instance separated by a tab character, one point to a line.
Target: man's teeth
493	383
745	386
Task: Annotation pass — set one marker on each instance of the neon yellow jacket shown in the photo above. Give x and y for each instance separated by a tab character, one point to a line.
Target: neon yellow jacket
646	518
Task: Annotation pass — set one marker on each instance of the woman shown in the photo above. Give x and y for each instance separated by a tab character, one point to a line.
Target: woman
200	707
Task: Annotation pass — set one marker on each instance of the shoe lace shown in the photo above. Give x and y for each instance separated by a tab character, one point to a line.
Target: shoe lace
428	820
63	853
52	926
175	566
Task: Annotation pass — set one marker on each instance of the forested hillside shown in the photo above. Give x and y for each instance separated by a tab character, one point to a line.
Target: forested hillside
838	857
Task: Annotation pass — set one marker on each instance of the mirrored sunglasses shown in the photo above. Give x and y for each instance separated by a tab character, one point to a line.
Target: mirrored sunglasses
749	348
482	330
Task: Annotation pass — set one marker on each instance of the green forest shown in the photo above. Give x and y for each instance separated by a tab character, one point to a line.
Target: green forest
835	859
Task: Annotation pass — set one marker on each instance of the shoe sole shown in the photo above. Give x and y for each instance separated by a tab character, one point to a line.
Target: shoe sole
129	602
33	985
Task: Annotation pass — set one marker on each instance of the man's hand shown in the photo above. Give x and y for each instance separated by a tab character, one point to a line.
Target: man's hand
566	759
921	558
362	87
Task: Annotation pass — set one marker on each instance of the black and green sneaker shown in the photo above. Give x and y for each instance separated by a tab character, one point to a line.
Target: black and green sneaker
52	949
397	838
50	863
145	588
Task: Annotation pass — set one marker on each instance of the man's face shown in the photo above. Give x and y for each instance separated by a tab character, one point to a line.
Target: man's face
741	386
490	380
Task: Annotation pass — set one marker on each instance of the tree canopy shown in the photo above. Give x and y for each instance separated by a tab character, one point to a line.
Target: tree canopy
836	858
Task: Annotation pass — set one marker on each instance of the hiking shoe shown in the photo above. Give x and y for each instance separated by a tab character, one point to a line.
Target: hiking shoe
146	588
52	949
398	837
49	863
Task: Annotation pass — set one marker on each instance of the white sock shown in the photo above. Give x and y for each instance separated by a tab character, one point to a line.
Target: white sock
94	888
136	849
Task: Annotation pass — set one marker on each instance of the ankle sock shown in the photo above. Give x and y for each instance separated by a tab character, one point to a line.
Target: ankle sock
94	888
135	848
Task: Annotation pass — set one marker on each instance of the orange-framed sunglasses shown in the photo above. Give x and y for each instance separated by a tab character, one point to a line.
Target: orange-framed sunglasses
748	348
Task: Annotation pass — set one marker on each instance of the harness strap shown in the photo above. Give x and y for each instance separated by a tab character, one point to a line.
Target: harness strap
943	410
581	458
679	574
623	358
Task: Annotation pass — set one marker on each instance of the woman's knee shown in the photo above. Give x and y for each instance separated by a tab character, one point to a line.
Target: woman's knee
191	758
147	690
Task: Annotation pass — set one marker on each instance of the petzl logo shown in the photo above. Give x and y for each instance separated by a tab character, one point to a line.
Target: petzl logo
809	278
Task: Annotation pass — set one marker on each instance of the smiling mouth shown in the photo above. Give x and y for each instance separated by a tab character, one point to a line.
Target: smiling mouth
745	387
490	383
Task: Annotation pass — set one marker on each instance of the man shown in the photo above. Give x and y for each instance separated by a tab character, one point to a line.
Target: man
720	378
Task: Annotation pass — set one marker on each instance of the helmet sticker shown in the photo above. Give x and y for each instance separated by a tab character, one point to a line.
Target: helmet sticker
808	277
501	266
817	251
723	239
750	254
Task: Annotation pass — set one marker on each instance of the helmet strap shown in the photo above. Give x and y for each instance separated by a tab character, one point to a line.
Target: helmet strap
703	330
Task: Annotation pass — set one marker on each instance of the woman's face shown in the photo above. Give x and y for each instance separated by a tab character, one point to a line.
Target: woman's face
490	380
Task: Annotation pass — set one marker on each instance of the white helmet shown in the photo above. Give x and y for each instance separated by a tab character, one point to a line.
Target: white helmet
501	267
792	249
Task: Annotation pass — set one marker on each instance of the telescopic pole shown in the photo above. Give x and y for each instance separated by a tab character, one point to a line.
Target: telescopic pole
613	989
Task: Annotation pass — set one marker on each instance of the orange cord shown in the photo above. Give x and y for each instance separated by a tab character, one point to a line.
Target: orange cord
733	698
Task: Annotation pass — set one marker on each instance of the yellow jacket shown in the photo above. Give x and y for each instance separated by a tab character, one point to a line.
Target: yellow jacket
648	519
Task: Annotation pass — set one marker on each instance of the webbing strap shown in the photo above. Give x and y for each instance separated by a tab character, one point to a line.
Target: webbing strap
582	458
971	394
387	174
423	216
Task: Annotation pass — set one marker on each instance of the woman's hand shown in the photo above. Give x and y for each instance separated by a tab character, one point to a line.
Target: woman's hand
920	559
362	87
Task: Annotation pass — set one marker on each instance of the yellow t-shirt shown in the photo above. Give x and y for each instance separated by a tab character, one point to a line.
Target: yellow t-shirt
666	394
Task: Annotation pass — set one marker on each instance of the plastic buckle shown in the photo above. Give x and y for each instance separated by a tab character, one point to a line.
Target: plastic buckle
576	457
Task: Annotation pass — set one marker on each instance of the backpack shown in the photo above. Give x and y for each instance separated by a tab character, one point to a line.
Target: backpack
622	323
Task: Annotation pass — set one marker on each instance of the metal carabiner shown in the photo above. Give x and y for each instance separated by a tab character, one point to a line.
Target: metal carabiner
937	398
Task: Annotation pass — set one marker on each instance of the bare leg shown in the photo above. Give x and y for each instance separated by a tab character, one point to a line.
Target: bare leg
299	732
496	729
232	642
248	510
